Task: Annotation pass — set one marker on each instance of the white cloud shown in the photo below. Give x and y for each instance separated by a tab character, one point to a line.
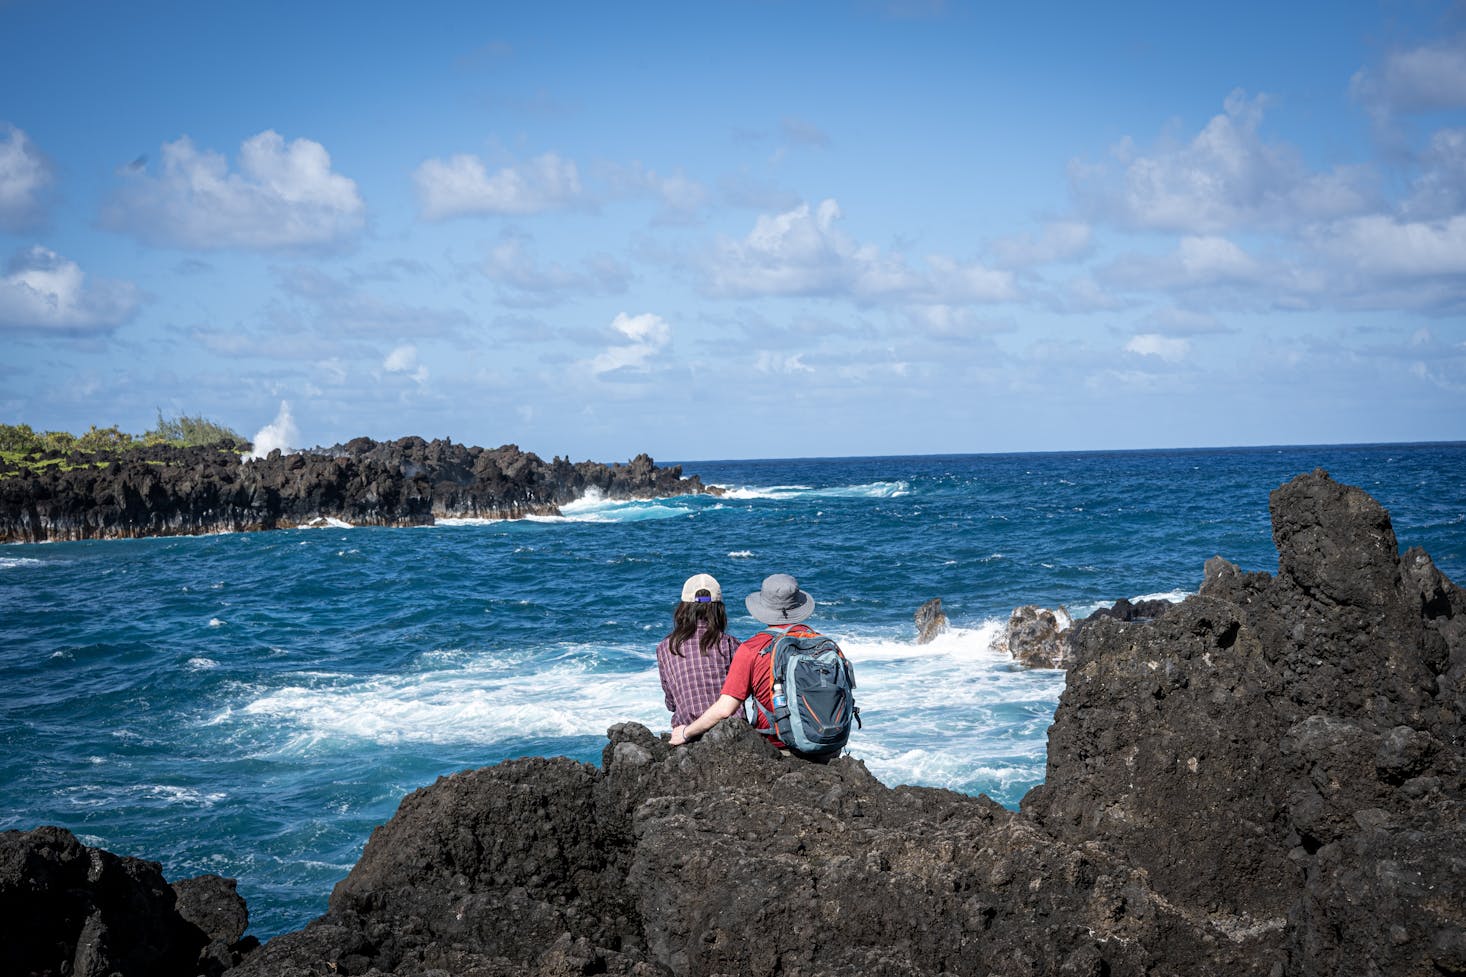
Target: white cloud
781	363
511	263
44	292
954	322
802	252
283	196
403	359
1385	247
462	186
647	333
1167	348
25	178
1059	241
1197	262
955	282
1440	189
1226	177
1432	76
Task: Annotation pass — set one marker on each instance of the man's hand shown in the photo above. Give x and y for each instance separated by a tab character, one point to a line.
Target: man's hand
679	735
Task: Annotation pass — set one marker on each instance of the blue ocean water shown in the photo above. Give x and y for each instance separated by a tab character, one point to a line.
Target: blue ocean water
254	704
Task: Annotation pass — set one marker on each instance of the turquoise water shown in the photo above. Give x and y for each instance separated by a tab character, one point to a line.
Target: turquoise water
254	704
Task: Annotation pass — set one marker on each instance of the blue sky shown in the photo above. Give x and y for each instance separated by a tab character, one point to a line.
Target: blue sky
738	229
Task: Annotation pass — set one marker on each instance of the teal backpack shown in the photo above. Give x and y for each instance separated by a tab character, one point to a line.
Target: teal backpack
814	695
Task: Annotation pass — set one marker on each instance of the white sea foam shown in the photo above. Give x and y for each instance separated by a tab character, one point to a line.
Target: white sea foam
594	507
201	664
871	490
281	434
740	555
11	562
488	701
214	622
1081	611
952	712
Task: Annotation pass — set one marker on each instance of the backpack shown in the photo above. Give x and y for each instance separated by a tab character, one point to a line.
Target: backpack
814	695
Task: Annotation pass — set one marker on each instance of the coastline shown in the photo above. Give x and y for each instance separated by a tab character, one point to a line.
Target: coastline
1227	793
166	491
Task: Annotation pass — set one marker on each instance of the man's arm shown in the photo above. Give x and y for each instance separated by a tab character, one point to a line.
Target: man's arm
725	706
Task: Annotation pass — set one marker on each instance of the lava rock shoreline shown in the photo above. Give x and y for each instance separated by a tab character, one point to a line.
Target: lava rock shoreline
164	490
1268	780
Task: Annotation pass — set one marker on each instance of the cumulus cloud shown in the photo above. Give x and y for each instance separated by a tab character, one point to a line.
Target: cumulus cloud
1168	348
284	195
513	264
802	252
26	177
43	292
647	335
1058	241
462	186
1440	188
403	359
1226	177
1380	246
1418	79
1197	262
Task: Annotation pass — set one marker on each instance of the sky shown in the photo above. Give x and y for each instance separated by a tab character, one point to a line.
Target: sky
738	230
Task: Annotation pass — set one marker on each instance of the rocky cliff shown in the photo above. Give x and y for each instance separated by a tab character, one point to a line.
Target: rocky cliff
1266	781
168	491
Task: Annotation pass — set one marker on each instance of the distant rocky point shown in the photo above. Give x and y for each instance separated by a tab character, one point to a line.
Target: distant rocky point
164	490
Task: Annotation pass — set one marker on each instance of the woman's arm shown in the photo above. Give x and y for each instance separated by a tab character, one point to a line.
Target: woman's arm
725	706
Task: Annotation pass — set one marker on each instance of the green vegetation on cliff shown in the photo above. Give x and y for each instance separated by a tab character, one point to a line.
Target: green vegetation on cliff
23	448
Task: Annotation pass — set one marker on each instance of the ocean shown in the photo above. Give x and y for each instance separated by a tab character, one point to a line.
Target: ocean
253	705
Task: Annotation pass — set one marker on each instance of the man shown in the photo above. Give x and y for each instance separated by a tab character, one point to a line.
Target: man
781	605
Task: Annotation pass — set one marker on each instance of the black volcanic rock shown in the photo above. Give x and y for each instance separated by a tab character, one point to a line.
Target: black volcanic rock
66	909
167	491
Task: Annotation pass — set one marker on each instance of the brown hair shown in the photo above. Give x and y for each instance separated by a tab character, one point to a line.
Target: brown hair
688	615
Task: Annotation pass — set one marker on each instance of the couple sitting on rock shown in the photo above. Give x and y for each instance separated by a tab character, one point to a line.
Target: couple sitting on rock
707	674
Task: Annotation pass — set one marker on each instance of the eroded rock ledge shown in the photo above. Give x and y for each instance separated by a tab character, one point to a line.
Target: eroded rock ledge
1266	781
169	491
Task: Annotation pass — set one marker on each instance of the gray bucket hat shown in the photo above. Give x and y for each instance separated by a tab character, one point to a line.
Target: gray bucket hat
780	601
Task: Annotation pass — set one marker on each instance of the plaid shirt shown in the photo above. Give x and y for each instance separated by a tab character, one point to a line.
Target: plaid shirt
693	680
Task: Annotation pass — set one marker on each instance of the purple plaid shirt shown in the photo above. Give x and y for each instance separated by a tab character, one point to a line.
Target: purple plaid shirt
693	680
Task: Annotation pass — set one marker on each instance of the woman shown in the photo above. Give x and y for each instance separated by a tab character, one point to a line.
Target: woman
693	659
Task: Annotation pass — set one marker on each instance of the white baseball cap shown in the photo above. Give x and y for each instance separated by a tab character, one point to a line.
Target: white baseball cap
702	581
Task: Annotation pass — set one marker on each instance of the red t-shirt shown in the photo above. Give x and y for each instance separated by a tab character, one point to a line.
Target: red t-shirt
751	673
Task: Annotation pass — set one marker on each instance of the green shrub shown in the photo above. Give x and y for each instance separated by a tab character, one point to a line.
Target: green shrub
58	442
106	439
190	431
19	439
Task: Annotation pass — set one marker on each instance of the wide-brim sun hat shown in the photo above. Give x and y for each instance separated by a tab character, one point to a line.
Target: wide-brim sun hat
780	601
702	581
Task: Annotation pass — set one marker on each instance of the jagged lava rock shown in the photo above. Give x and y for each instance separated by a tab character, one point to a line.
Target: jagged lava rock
167	491
930	621
1036	637
67	909
1282	754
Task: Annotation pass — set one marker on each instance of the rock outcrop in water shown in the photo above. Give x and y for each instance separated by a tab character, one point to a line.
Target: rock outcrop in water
931	621
67	909
1266	781
169	491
